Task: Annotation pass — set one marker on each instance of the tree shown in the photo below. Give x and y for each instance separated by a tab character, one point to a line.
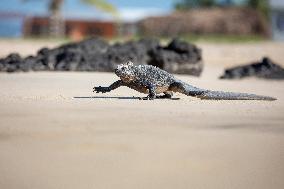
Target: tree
260	5
56	22
187	4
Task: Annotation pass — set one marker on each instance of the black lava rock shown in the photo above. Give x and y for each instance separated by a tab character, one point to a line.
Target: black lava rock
178	57
264	69
95	54
11	63
136	51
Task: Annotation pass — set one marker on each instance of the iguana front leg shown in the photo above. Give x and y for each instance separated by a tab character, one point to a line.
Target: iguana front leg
152	93
113	86
167	95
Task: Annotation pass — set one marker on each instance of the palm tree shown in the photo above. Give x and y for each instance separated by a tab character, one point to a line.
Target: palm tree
56	22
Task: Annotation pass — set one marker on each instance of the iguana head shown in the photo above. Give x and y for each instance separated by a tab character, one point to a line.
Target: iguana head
125	72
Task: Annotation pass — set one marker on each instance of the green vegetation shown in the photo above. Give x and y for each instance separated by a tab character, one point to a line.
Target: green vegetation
215	38
207	38
103	5
187	4
260	5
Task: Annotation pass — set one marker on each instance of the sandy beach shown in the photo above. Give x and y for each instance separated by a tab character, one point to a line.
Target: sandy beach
55	133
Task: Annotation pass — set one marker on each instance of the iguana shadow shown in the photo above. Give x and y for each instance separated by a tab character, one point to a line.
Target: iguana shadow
115	97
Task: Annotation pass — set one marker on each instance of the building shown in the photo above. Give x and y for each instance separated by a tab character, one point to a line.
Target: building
277	19
74	28
207	21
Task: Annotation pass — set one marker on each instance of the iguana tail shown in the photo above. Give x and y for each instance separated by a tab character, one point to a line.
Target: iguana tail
220	95
216	95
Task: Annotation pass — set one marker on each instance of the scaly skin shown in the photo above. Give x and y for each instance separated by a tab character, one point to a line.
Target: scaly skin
152	81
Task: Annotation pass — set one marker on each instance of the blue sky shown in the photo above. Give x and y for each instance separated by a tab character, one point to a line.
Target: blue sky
129	10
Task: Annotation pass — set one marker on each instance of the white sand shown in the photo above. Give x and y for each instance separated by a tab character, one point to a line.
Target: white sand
55	133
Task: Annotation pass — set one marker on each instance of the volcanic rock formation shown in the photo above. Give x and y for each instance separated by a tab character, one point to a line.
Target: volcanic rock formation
262	69
95	54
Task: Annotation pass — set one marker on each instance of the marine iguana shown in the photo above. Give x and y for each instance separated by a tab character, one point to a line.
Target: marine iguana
152	80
